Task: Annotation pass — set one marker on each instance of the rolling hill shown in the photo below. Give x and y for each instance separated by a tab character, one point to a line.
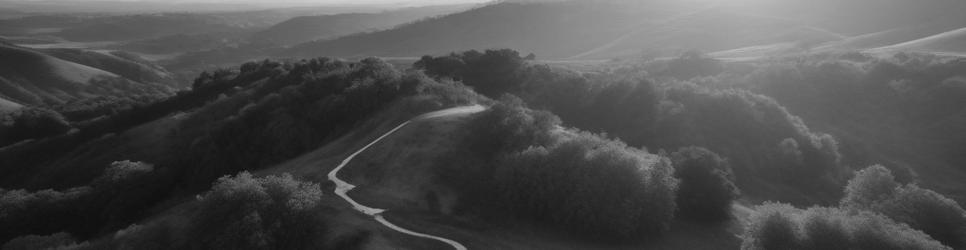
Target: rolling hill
123	64
32	77
575	30
551	30
310	28
948	43
6	105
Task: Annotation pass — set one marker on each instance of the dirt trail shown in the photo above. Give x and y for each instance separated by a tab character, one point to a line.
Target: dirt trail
342	188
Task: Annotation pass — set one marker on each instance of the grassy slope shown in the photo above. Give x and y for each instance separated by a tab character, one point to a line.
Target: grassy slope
711	29
32	77
550	30
140	71
8	105
951	42
309	28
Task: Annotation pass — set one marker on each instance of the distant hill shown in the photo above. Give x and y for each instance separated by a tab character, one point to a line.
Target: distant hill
123	64
32	77
952	42
8	105
309	28
121	28
577	30
550	30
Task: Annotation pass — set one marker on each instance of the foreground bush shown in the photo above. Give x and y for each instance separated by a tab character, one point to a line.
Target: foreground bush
244	212
874	189
782	227
707	185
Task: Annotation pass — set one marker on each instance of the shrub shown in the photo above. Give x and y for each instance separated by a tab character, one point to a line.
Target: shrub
576	181
773	226
244	212
874	189
30	123
707	184
782	227
869	186
32	242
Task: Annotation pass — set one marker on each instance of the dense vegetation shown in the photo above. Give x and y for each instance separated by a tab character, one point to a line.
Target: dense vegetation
575	181
707	186
729	127
876	213
241	212
27	123
765	142
293	107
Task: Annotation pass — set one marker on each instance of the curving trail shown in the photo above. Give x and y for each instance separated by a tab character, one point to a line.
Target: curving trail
342	188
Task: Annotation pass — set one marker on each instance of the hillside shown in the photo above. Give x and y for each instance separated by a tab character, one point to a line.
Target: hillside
550	30
33	77
8	105
144	26
576	30
123	64
310	28
949	43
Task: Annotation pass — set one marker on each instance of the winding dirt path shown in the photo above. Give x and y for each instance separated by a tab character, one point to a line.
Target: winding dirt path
342	188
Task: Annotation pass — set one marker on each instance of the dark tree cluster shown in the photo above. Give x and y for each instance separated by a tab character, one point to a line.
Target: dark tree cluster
490	73
778	226
876	213
578	182
764	141
875	189
29	123
707	186
304	106
240	212
116	198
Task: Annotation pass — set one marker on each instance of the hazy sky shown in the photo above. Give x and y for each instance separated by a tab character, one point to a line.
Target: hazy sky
319	2
134	6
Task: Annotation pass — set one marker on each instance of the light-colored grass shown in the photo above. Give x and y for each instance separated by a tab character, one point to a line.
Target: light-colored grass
947	43
6	105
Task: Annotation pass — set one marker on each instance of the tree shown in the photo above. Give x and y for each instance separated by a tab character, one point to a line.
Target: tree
707	185
874	189
245	212
869	186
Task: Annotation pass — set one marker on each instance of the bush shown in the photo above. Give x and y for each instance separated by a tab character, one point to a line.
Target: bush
772	226
576	181
780	226
33	242
491	73
244	212
30	123
874	189
42	212
707	185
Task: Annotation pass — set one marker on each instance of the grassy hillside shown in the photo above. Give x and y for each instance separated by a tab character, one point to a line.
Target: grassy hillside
559	30
32	77
551	30
122	64
310	28
8	105
949	43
